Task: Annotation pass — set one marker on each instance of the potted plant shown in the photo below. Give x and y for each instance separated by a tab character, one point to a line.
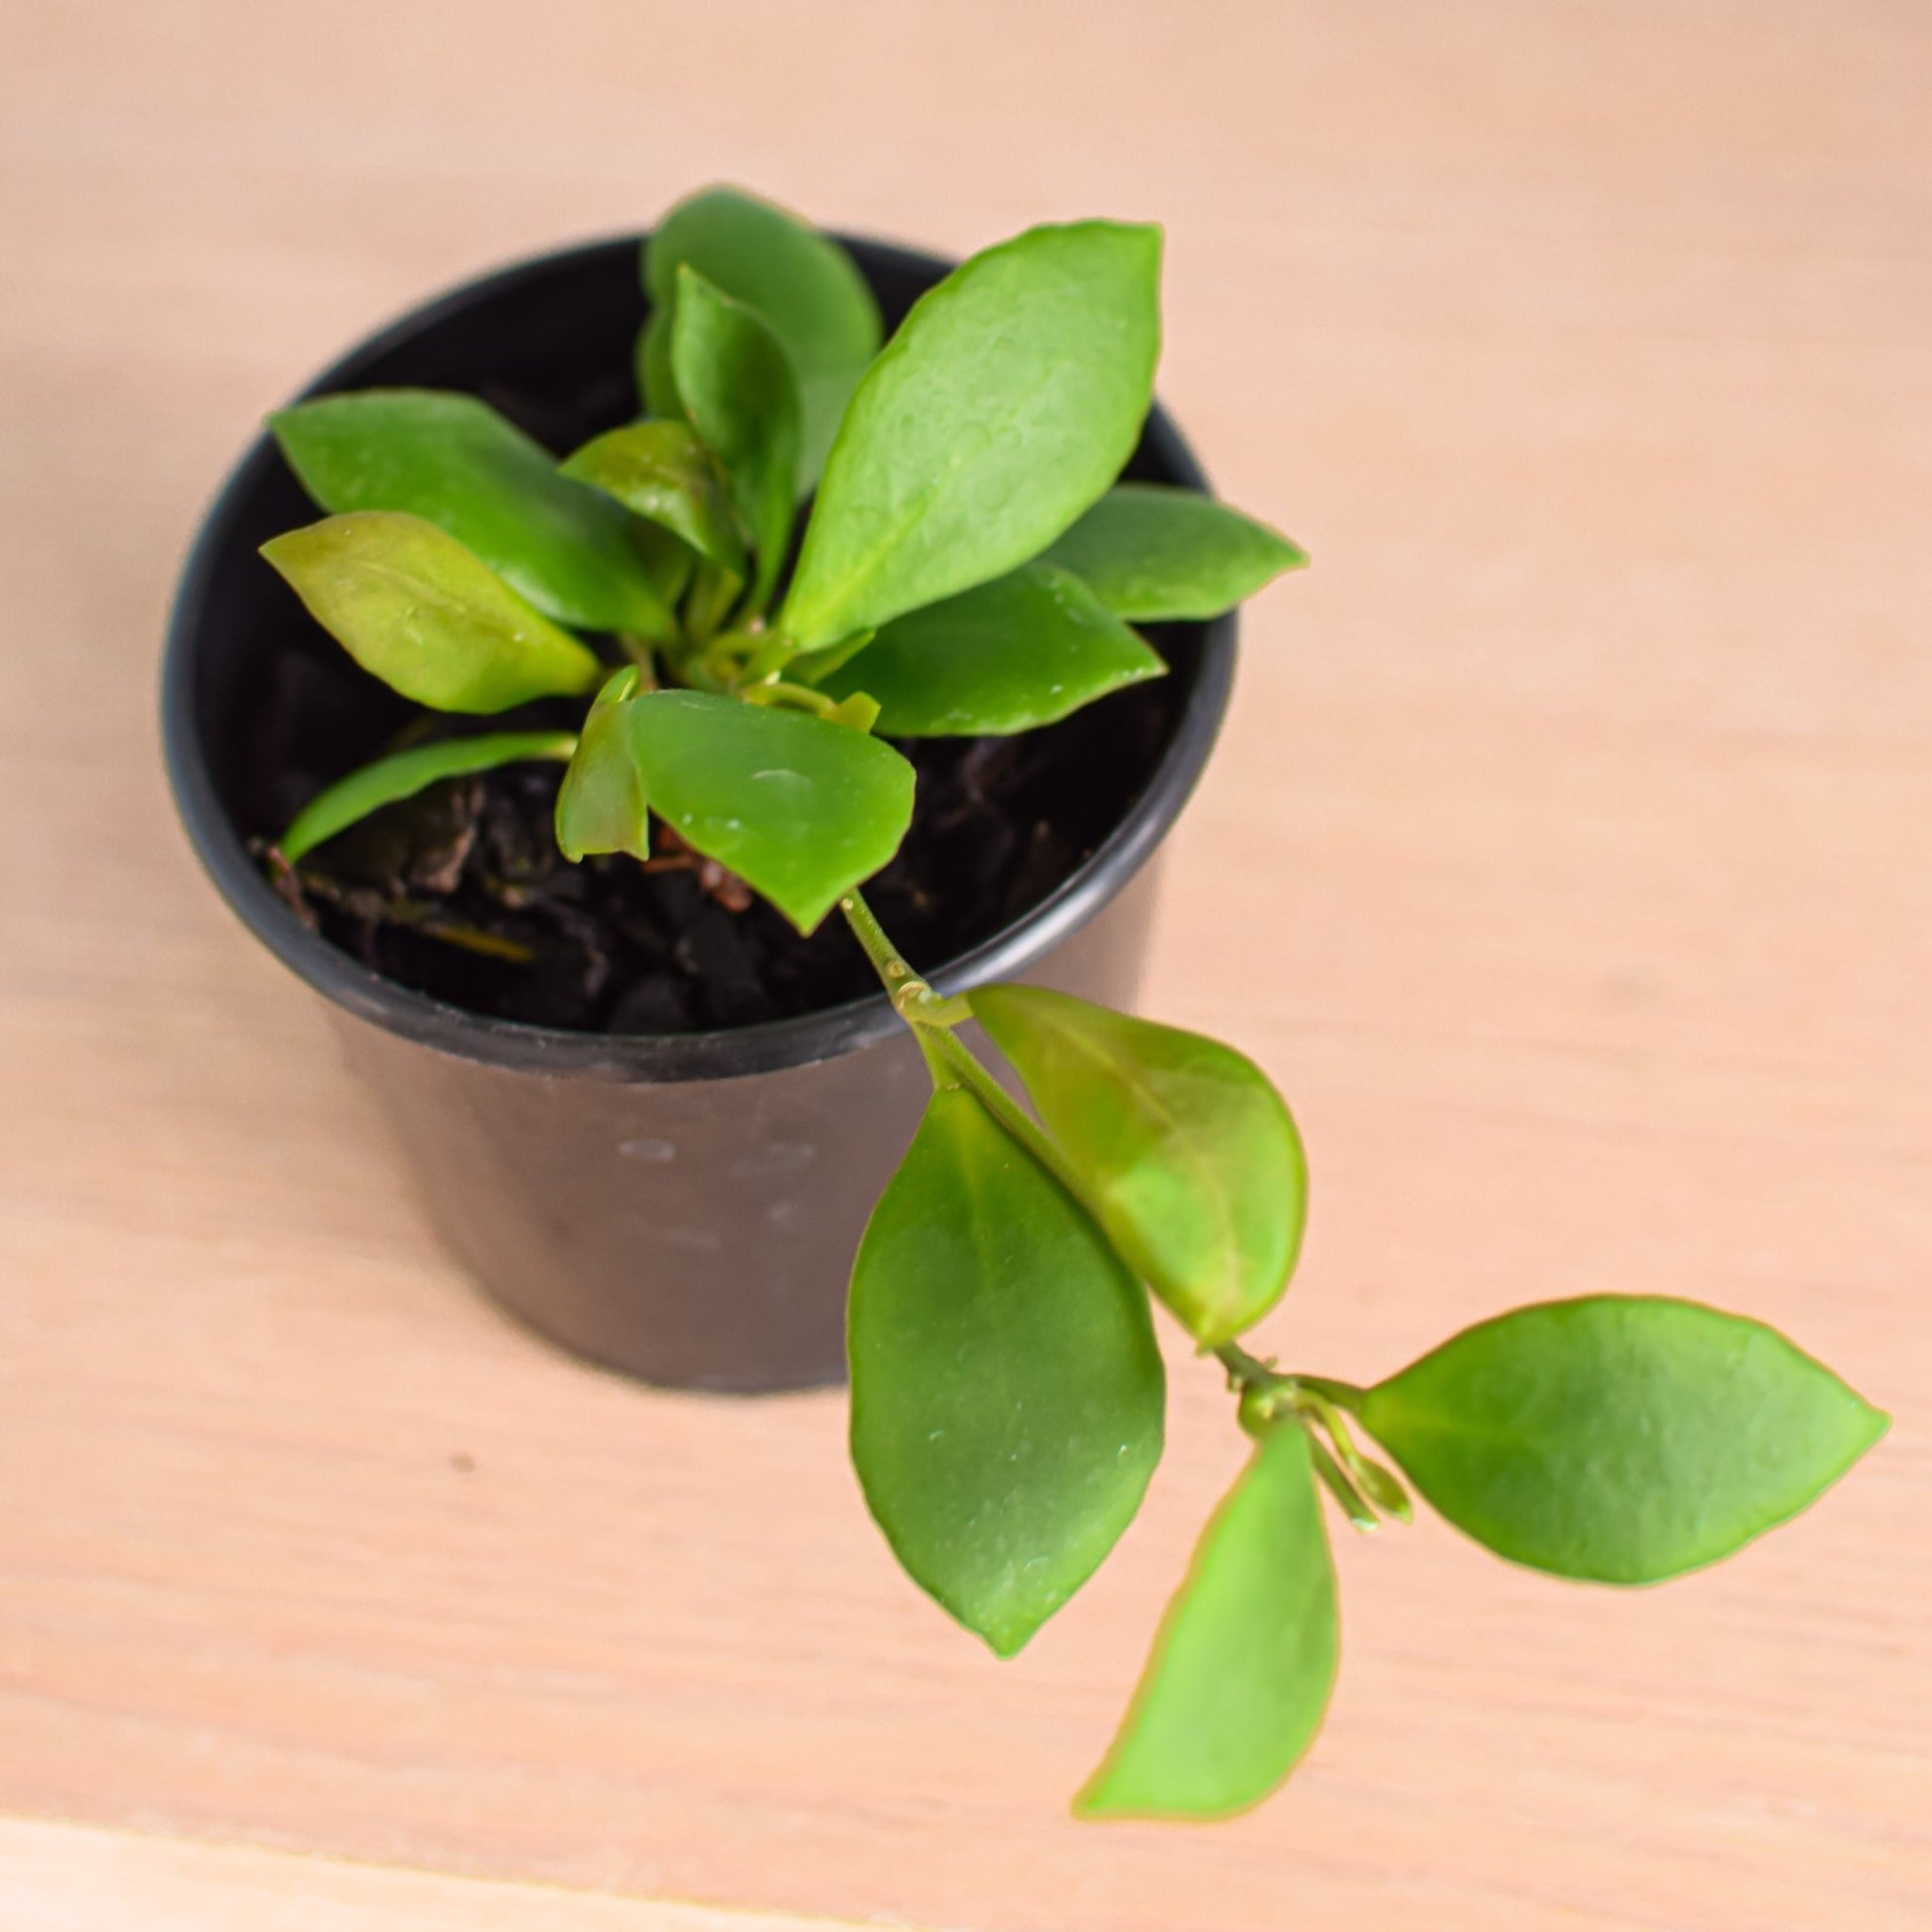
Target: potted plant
850	650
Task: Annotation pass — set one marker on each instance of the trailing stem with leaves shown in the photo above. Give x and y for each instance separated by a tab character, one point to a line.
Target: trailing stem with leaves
972	565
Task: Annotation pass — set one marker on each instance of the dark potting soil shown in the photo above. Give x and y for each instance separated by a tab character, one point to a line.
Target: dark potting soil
461	894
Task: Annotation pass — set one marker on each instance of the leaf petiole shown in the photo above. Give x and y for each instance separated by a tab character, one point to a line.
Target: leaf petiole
1377	1483
797	697
1355	1506
952	1053
641	652
1344	1395
1246	1371
912	999
1267	1396
709	603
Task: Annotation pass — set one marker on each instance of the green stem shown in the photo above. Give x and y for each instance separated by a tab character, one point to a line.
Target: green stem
912	999
932	1016
1244	1370
690	669
643	653
927	1039
1327	1400
1353	1504
708	602
1271	1398
813	666
884	956
771	652
795	697
1344	1395
952	1053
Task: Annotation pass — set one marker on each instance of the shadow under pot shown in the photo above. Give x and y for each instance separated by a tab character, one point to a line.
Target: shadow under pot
664	1163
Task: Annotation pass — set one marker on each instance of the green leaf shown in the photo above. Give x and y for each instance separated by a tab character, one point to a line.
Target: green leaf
1619	1439
741	397
1150	551
1006	1389
1024	650
815	666
657	383
416	609
859	711
668	562
660	471
454	460
1000	411
600	805
1188	1155
403	775
1245	1660
800	809
806	288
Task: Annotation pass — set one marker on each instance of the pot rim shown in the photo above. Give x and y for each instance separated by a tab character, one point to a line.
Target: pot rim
724	1053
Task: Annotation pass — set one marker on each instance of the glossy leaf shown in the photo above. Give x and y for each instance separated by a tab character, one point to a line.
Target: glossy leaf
739	391
1006	1393
660	471
1619	1439
859	711
1024	650
1150	551
402	776
815	666
1188	1156
416	609
454	460
803	283
600	805
668	562
656	384
1001	409
800	809
1245	1660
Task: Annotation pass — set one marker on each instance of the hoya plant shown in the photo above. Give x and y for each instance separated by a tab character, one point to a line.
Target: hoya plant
969	564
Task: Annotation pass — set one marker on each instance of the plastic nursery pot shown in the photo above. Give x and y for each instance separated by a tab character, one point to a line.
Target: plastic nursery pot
681	1206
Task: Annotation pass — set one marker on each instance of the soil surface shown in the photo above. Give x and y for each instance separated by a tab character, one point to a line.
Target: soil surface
461	893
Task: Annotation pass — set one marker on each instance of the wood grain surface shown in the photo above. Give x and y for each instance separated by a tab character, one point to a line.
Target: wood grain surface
1567	860
77	1878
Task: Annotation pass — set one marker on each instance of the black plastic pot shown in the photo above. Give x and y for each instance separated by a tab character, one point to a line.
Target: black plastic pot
683	1207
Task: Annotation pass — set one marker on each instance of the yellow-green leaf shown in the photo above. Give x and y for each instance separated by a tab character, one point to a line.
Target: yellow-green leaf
1188	1155
600	805
1245	1661
454	460
426	615
660	471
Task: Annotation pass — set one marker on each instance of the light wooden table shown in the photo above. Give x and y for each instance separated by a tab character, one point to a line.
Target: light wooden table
1568	863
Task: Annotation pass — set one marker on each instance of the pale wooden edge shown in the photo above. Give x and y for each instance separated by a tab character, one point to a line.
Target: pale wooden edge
64	1877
